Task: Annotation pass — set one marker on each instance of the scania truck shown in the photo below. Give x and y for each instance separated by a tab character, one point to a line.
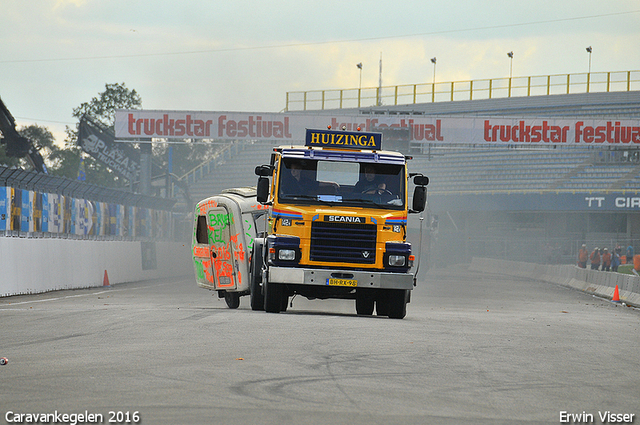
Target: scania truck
337	224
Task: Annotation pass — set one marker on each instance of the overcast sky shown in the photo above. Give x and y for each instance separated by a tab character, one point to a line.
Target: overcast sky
245	55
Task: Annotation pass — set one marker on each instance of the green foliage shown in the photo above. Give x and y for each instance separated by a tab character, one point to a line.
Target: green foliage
42	140
65	161
102	108
8	161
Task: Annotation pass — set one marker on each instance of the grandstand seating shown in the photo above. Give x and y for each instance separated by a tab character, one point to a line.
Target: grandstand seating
462	171
521	170
484	169
237	170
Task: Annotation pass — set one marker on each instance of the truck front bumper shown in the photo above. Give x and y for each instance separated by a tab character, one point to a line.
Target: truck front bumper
320	277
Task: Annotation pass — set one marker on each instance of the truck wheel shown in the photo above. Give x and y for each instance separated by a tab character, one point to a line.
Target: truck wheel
257	298
232	299
364	302
272	297
397	303
382	302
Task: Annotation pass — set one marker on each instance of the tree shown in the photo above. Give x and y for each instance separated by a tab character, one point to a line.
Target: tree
42	140
101	109
8	161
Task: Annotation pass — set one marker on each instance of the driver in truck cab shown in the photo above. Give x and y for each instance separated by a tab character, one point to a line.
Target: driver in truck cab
300	183
372	183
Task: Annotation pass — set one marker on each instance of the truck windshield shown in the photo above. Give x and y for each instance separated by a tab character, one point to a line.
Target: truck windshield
351	183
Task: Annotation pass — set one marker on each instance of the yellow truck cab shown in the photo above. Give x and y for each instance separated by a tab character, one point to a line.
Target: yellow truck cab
337	224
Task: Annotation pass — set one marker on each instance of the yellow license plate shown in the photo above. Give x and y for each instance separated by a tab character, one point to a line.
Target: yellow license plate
342	282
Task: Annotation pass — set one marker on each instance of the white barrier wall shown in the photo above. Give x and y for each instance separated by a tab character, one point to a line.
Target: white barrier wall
30	265
591	281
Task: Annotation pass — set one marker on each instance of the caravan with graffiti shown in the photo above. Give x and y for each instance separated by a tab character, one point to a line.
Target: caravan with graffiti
225	228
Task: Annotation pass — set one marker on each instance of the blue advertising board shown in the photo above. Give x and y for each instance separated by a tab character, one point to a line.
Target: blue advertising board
25	212
4	214
583	202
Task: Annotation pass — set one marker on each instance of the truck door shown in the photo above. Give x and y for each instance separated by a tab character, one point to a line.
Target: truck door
219	224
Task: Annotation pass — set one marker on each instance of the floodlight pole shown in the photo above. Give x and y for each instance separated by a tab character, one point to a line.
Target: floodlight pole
589	50
510	54
433	85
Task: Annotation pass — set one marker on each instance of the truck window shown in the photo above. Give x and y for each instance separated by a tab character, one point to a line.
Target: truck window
311	181
343	173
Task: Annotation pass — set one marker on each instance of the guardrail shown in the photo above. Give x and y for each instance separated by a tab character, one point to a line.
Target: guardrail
600	283
463	90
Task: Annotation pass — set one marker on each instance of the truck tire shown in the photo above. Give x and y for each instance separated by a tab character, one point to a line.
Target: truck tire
397	303
257	298
272	297
232	299
364	302
382	302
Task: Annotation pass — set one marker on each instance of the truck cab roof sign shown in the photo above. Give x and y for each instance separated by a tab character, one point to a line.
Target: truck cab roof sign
343	139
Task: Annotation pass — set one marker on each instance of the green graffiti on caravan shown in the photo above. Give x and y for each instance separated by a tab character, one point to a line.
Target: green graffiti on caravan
220	220
215	236
199	269
250	238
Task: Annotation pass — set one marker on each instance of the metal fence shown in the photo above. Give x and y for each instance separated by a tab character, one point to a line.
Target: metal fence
38	205
463	90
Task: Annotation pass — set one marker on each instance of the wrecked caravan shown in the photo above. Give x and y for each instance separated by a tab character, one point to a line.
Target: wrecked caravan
225	227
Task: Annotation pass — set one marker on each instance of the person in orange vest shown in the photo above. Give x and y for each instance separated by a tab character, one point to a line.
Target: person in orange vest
583	255
606	260
595	259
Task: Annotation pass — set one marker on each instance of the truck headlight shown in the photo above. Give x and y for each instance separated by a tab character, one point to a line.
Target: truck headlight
287	254
397	260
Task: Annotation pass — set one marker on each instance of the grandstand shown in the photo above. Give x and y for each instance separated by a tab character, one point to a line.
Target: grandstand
506	201
462	169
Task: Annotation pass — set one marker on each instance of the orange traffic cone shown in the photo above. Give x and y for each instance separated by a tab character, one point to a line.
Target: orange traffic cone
616	295
105	281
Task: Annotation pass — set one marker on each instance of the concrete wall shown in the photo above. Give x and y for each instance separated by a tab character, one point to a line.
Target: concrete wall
29	265
591	281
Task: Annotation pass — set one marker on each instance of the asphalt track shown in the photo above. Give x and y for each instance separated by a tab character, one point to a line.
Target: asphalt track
481	349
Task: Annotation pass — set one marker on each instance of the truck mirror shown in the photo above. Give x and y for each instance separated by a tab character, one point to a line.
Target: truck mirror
264	170
421	180
419	198
262	191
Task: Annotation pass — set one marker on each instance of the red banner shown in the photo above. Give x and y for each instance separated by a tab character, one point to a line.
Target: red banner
291	127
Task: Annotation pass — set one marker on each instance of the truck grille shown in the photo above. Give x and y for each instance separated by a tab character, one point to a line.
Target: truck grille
343	242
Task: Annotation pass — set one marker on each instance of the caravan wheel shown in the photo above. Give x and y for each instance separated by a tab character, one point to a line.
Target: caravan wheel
232	299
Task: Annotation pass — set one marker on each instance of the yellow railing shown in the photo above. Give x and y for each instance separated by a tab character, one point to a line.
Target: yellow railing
463	90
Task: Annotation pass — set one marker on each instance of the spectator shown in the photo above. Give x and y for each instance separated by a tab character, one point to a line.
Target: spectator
583	256
615	260
595	259
629	254
606	260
